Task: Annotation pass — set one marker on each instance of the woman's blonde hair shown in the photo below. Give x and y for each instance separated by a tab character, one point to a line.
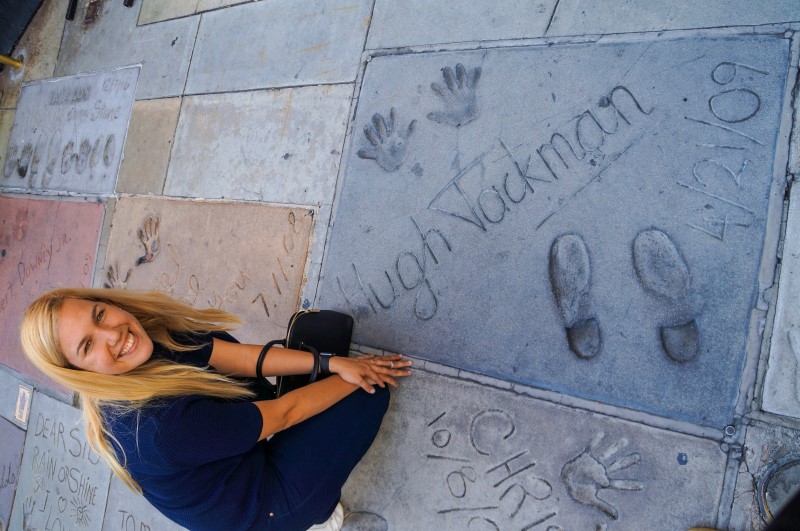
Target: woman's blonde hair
159	315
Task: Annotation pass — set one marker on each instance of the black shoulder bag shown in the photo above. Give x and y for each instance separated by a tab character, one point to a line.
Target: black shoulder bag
323	333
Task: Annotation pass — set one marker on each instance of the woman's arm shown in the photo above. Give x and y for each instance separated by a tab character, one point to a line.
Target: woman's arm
301	404
236	359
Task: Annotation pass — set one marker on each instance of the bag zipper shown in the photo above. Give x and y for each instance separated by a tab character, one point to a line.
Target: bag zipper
294	319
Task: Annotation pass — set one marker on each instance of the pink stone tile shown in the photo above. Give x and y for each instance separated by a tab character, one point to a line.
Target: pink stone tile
44	244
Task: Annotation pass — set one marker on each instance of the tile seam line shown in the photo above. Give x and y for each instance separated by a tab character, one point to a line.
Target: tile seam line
639	418
264	89
552	17
772	28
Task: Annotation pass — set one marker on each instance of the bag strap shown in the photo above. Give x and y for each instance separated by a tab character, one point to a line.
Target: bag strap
315	352
263	354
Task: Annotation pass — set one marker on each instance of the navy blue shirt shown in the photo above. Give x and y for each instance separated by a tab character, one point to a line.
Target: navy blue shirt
197	459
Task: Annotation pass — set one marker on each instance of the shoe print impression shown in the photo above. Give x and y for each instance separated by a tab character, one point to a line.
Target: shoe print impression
663	272
570	278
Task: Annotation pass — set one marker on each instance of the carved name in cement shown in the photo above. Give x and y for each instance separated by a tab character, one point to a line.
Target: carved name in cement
69	132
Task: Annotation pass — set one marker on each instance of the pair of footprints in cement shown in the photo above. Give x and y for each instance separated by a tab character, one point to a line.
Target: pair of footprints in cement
661	270
388	143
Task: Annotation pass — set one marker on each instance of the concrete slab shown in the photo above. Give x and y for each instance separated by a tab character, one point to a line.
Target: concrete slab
282	146
10	456
581	17
69	132
158	10
128	510
63	483
416	22
148	146
181	248
113	39
768	475
471	457
38	49
781	389
205	5
596	231
44	244
279	43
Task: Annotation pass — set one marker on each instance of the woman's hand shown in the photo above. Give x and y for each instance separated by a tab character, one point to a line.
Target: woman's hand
367	371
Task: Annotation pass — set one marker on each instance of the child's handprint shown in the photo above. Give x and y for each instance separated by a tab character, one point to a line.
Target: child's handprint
459	97
148	235
113	280
389	146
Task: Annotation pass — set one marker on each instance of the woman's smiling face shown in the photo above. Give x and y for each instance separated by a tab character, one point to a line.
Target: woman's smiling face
102	338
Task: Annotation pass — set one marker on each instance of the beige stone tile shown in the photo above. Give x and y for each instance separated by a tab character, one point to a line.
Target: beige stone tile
6	123
158	10
205	5
148	146
38	48
245	258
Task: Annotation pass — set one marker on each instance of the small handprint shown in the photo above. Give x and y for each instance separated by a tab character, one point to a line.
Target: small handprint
148	235
586	474
113	280
27	513
389	146
459	96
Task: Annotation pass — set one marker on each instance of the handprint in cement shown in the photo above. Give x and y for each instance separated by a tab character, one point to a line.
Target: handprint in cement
388	146
586	475
458	95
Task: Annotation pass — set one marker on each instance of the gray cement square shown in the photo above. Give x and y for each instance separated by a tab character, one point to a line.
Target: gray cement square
10	456
69	132
63	484
581	17
586	218
270	145
15	398
456	455
278	43
113	39
398	23
128	510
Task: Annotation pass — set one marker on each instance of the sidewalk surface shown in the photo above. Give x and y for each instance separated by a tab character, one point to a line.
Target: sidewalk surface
578	217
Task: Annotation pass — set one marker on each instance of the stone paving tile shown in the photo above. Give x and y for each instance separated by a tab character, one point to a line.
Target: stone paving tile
486	197
148	146
770	471
205	5
582	17
63	483
456	455
113	39
781	389
6	123
69	132
278	43
44	244
128	510
418	22
38	48
282	146
158	10
244	258
10	456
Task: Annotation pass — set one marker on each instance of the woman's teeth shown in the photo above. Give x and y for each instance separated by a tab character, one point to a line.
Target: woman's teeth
128	345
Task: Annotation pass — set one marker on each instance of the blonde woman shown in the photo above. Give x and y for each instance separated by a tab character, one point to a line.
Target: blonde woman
168	400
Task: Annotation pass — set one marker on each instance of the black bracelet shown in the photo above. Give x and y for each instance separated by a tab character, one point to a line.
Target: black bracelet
262	355
314	352
324	364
